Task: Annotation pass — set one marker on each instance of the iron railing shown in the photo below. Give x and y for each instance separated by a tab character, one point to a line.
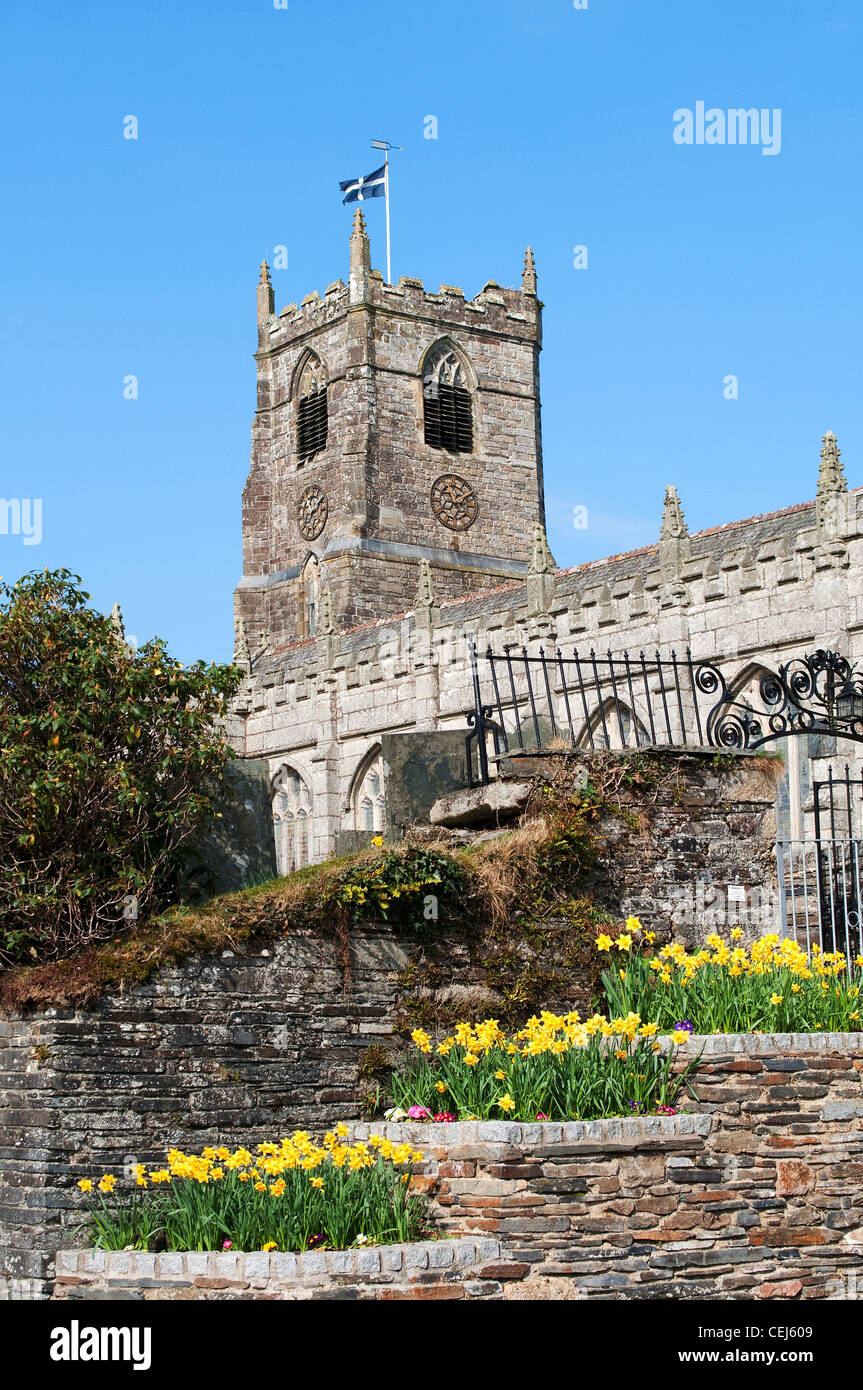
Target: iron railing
838	811
552	700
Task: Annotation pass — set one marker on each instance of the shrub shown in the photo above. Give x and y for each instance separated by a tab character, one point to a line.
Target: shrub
556	1068
394	885
288	1196
772	986
103	757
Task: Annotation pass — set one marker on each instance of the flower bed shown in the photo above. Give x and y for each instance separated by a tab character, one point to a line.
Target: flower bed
555	1068
772	986
559	1067
292	1196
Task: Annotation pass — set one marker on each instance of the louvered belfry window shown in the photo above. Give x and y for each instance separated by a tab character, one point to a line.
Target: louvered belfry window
447	404
312	411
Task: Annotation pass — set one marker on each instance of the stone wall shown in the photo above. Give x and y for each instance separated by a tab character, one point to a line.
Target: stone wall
464	1268
695	850
756	1194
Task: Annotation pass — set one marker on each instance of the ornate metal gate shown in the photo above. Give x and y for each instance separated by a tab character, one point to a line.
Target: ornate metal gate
820	880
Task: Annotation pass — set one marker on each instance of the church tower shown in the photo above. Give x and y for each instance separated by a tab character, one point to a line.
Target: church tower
392	426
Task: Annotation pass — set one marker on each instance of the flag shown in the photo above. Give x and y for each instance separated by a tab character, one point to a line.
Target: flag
372	186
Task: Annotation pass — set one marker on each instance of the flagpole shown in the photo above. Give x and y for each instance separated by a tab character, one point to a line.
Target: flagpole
387	200
386	147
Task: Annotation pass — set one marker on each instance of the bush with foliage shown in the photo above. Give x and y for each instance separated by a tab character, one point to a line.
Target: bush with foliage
105	754
293	1195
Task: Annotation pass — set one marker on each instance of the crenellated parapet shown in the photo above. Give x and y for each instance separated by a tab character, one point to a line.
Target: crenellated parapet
393	425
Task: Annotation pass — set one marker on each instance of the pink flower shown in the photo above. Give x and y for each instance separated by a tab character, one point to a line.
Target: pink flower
418	1112
540	1116
227	1245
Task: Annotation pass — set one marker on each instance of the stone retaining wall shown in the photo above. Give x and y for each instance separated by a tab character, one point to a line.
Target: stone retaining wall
271	1036
425	1270
759	1195
756	1193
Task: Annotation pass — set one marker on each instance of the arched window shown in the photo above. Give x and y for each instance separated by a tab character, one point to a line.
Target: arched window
447	404
311	410
369	798
292	803
311	588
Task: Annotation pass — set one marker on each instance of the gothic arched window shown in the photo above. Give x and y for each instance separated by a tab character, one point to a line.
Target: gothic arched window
447	403
369	799
311	410
292	804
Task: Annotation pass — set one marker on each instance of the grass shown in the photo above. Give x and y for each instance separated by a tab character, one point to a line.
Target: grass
523	903
257	913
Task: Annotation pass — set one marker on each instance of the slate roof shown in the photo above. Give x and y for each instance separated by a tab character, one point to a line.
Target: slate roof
714	543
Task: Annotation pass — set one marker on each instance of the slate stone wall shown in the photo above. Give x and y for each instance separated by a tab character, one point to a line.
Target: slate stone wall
755	1195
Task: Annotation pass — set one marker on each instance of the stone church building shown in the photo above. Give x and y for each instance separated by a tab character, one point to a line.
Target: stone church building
394	512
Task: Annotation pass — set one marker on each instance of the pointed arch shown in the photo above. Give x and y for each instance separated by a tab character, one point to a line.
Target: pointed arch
309	393
292	808
310	595
614	724
367	796
448	387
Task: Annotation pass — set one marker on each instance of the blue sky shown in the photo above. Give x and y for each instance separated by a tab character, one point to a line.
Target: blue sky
555	127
